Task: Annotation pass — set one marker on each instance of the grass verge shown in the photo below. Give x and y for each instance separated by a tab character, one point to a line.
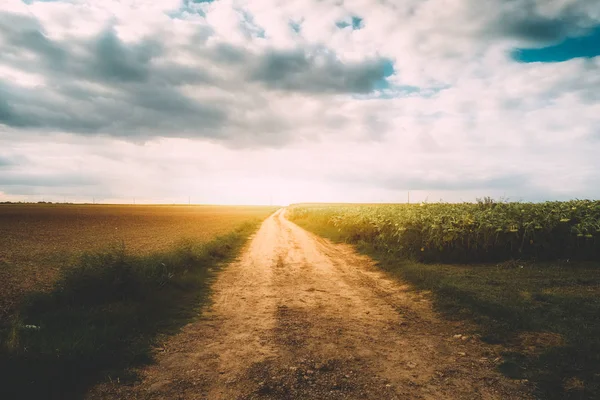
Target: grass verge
545	314
105	315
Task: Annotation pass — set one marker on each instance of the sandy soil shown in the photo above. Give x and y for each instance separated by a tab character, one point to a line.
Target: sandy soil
297	317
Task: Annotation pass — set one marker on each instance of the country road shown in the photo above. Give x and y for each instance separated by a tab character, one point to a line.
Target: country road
297	317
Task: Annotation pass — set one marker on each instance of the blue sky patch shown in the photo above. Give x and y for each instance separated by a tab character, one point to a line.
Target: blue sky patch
356	23
574	47
388	70
295	26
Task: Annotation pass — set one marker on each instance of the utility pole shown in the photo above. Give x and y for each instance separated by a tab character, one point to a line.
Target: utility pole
408	201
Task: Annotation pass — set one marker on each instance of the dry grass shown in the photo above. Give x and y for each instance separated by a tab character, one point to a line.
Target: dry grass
36	241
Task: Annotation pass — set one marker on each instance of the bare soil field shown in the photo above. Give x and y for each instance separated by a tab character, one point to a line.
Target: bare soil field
36	241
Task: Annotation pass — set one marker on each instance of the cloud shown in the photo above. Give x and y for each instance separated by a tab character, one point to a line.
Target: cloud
114	60
103	85
355	100
517	181
542	23
45	180
320	72
5	162
100	85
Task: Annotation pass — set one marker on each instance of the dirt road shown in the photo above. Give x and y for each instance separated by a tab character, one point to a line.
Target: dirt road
297	317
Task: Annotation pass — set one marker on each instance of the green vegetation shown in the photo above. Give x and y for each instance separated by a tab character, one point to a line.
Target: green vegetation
467	232
545	313
104	315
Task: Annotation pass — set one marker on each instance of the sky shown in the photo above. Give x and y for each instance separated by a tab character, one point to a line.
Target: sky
285	101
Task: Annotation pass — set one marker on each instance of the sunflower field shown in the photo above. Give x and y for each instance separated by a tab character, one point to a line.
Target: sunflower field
466	232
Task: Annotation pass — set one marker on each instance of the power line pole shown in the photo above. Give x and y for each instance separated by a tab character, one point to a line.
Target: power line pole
408	200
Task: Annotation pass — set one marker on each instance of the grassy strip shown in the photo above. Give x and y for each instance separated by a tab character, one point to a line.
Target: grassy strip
546	315
105	315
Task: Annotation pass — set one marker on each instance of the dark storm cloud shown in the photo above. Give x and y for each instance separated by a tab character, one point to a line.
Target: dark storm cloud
141	111
22	32
131	90
536	29
313	70
103	59
7	114
527	21
141	100
113	60
319	72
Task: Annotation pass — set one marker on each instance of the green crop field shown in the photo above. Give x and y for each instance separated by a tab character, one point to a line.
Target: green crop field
526	275
484	231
